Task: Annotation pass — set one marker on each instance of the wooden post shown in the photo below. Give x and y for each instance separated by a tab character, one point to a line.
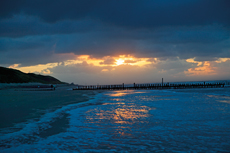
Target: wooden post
123	86
162	82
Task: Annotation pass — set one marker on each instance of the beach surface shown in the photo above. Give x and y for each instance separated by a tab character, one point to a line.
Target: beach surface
176	120
20	105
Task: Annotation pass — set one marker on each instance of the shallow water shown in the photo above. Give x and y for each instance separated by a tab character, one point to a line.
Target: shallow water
132	121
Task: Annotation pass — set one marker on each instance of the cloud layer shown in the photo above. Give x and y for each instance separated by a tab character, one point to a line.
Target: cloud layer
40	32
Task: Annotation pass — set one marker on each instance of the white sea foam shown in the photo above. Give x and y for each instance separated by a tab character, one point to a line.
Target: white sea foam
32	127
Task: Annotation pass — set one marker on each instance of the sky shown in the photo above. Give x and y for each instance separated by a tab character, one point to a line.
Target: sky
117	41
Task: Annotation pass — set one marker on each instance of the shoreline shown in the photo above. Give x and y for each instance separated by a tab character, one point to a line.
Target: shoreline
20	106
5	86
108	117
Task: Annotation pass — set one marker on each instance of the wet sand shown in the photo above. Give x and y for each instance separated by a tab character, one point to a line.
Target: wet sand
21	106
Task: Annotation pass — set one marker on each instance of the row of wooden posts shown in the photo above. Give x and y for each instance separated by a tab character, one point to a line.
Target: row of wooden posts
36	88
150	86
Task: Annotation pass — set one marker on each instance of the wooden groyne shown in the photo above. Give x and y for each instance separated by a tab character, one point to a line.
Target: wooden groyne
35	88
150	86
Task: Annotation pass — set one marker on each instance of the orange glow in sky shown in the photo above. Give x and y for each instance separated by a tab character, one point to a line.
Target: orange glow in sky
131	60
204	68
41	68
79	59
110	65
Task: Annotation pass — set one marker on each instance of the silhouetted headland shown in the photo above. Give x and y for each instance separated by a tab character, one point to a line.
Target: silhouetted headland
11	78
8	75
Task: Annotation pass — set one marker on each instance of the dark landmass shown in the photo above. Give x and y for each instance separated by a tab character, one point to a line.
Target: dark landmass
8	75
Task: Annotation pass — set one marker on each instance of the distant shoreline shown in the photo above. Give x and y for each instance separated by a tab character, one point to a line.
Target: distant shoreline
18	85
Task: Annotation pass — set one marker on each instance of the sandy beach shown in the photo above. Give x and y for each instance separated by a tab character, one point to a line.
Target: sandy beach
17	106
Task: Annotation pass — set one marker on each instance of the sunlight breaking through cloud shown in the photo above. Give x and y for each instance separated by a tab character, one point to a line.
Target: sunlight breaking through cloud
120	68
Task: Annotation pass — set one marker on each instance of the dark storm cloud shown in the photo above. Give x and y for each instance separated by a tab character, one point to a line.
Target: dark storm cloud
108	61
127	13
32	32
163	44
29	51
50	11
20	25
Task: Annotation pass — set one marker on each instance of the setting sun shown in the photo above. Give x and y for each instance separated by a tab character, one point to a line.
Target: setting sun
120	61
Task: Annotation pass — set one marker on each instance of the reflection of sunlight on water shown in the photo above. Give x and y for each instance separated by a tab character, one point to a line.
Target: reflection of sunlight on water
120	103
139	92
117	99
117	94
121	111
221	98
129	115
123	93
218	96
124	115
224	101
155	98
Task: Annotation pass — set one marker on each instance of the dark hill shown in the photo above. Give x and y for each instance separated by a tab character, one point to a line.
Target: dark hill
8	75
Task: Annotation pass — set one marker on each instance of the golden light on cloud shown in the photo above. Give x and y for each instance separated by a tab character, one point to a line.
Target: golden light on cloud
124	67
46	71
204	68
41	68
104	70
103	62
222	60
83	57
14	66
111	61
191	60
130	60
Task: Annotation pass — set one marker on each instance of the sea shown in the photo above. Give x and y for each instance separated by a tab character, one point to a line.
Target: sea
173	120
